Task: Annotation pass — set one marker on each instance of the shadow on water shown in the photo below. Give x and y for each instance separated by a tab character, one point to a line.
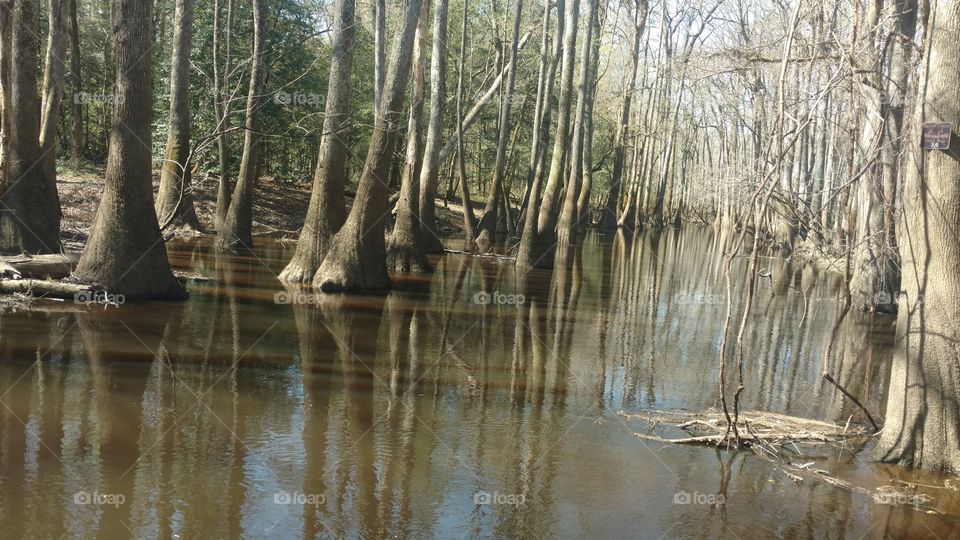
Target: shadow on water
471	402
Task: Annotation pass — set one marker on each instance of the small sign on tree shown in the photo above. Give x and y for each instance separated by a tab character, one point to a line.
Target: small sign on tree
936	136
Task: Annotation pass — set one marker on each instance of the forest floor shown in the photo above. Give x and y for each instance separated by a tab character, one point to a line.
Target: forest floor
279	209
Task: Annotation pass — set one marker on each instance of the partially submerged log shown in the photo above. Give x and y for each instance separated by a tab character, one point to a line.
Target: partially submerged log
53	266
46	288
753	427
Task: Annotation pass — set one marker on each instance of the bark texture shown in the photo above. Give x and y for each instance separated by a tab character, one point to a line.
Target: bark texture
487	228
405	251
29	205
356	260
175	197
922	427
125	253
327	210
236	234
438	95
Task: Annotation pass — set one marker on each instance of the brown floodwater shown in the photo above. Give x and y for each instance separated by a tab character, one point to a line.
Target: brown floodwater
464	404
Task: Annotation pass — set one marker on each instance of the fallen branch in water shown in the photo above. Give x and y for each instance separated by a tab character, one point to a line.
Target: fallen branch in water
44	288
777	439
53	266
757	429
474	254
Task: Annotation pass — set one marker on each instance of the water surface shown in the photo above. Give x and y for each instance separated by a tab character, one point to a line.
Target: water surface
464	404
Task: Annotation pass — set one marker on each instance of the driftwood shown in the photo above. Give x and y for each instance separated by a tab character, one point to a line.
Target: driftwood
756	428
45	288
37	266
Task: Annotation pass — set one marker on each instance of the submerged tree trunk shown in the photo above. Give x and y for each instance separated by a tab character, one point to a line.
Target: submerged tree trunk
236	233
582	212
405	251
608	218
430	171
356	260
488	222
537	240
922	427
175	196
565	231
125	253
29	205
328	209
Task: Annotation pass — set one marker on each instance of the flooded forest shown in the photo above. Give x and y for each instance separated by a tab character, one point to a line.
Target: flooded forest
479	269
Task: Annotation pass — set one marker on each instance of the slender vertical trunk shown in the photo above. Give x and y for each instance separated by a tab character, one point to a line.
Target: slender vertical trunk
608	218
405	246
488	222
77	134
379	49
221	107
568	219
53	80
583	201
536	246
125	253
175	197
469	223
874	276
236	234
356	260
430	172
5	58
327	210
549	206
542	106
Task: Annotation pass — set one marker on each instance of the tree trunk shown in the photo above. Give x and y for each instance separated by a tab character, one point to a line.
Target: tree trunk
527	253
469	223
356	260
922	427
328	209
29	205
6	38
236	233
488	222
379	49
125	253
608	220
53	80
549	205
568	218
430	172
582	212
874	275
77	133
175	197
405	251
221	107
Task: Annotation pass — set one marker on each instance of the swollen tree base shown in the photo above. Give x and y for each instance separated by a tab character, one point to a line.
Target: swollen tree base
349	267
404	255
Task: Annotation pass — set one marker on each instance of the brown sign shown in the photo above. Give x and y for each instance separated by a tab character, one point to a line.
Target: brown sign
936	136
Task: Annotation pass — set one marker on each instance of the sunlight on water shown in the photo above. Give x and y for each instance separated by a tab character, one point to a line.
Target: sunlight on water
466	403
